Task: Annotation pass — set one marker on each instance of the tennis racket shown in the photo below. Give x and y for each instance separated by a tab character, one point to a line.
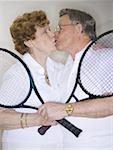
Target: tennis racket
12	98
95	70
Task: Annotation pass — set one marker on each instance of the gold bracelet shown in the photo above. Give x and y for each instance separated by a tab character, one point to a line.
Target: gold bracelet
26	120
21	120
69	109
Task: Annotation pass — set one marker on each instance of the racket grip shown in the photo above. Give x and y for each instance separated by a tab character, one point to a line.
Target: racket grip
69	126
42	130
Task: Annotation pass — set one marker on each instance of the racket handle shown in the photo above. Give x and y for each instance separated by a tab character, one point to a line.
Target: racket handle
42	130
69	126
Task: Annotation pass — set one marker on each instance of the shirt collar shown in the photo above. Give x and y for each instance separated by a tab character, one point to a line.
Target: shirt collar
33	64
69	61
79	54
52	64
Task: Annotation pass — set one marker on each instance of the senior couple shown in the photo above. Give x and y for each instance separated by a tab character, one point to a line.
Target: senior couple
35	41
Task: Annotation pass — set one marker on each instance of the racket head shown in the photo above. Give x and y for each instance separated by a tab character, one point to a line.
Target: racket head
9	90
95	72
105	40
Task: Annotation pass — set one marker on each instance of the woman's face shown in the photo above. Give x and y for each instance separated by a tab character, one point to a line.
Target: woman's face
44	40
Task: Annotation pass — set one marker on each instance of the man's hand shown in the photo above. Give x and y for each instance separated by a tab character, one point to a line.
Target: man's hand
45	120
53	110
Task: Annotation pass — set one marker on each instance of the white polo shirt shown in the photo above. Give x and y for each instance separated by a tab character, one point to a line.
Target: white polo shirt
97	132
29	138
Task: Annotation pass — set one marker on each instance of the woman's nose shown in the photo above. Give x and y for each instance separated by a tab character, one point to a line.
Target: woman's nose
56	34
51	34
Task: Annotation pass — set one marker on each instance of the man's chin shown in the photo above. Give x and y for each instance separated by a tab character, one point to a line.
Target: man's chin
59	48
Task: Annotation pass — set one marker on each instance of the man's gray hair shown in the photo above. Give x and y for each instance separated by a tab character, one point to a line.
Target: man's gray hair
87	21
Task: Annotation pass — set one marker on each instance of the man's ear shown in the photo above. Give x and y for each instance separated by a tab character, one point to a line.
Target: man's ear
28	43
79	28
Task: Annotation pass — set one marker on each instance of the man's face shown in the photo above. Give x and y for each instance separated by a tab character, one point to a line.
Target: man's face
65	34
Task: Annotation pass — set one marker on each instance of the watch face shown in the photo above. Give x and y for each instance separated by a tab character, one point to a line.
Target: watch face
69	109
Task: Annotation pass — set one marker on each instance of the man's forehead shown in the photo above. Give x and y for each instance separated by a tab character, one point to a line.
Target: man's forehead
64	20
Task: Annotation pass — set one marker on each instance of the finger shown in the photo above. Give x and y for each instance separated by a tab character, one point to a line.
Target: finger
41	109
54	123
44	114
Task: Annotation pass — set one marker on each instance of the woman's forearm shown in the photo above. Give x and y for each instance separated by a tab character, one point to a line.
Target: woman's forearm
10	119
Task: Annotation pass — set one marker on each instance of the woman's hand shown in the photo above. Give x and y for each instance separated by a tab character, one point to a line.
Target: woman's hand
36	119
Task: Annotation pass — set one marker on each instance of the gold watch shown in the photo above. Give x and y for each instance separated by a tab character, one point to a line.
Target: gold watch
69	109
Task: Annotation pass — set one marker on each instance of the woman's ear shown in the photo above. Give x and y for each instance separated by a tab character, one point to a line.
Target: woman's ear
28	43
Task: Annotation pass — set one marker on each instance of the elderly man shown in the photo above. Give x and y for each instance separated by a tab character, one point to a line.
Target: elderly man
76	30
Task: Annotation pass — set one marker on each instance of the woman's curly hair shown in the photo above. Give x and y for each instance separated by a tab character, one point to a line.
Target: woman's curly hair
23	28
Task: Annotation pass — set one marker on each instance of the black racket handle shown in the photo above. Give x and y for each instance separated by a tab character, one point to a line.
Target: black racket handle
42	130
69	126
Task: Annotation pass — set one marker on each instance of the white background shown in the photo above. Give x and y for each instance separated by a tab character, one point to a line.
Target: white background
101	10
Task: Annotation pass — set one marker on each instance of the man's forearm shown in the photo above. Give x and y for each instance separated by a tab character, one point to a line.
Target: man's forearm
93	108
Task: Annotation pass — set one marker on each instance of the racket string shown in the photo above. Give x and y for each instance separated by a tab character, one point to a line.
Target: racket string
96	74
15	84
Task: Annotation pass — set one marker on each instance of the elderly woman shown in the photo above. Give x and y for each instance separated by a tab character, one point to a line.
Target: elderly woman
34	40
